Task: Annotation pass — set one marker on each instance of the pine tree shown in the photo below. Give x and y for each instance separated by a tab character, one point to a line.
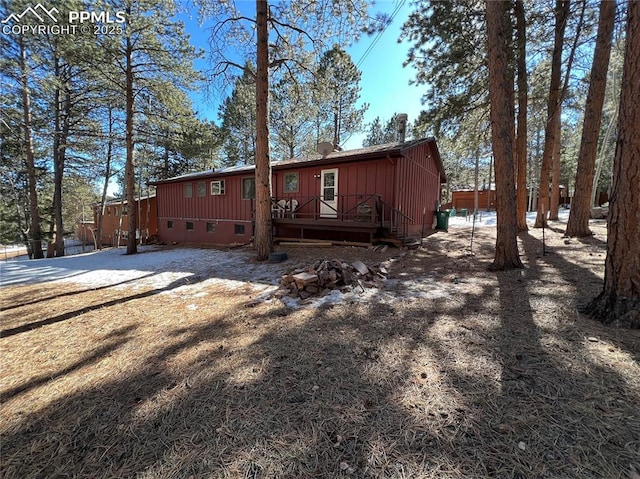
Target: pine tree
379	134
295	28
152	48
238	115
502	134
619	301
337	83
578	224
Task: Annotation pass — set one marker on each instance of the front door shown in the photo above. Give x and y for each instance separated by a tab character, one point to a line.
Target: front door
329	193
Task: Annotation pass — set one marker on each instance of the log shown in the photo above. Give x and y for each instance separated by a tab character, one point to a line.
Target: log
311	245
284	239
305	278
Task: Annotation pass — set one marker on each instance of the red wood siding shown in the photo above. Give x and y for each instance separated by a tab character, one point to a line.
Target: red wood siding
224	231
418	187
146	208
224	211
354	178
410	183
465	199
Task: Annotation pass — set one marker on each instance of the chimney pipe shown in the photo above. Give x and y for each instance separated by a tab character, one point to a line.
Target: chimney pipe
402	126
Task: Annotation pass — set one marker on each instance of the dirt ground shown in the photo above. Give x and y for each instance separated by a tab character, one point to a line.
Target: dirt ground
451	371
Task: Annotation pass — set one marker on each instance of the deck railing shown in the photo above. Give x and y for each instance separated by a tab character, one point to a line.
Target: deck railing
352	208
369	211
398	222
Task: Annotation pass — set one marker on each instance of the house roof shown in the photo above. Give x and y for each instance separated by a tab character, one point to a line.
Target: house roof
376	151
121	201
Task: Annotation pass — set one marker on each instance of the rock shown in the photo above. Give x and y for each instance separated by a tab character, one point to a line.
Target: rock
360	267
305	278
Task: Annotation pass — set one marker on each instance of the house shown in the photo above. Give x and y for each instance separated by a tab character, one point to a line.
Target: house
115	220
465	198
84	231
386	191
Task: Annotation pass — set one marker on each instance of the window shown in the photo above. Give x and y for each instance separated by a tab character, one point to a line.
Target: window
169	224
124	210
248	188
189	225
291	182
202	188
238	229
108	211
211	227
188	190
217	187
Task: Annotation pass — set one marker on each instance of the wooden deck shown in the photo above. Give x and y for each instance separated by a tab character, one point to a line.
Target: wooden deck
359	214
328	223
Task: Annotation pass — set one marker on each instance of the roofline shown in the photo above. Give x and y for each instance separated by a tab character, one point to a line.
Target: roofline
438	158
397	150
118	201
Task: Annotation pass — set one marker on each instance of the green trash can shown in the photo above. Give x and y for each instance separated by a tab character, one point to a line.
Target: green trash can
463	212
442	218
452	212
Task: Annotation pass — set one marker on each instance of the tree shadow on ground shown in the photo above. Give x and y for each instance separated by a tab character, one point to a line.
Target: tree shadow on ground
470	386
104	350
75	292
587	285
75	313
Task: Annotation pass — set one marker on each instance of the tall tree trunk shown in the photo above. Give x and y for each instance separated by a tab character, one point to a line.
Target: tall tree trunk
489	184
107	176
578	224
535	174
35	250
521	138
502	122
555	170
602	154
62	110
292	146
57	163
557	159
165	159
619	302
553	112
129	171
475	183
263	228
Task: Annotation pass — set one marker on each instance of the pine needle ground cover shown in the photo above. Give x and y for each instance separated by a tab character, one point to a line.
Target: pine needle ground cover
449	371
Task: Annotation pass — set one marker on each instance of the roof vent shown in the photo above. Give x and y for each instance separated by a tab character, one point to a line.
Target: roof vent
401	126
324	148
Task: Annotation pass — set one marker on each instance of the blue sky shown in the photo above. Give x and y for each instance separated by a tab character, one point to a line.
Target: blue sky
385	82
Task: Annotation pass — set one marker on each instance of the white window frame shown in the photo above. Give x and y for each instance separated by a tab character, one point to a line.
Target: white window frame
248	197
219	187
285	185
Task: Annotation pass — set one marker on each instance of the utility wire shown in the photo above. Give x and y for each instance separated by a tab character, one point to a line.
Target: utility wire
380	33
